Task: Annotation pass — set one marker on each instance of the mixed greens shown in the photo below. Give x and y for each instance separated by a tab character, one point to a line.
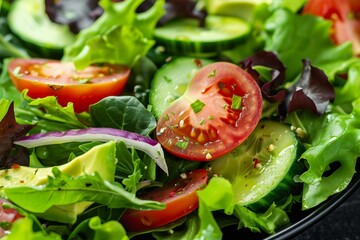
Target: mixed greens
74	175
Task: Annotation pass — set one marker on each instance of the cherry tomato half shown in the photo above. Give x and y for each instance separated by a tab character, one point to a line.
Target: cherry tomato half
179	196
345	16
8	215
219	110
44	77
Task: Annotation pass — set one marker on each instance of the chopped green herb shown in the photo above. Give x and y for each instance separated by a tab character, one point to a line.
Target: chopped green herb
16	72
197	106
236	102
166	118
182	144
202	121
211	117
213	73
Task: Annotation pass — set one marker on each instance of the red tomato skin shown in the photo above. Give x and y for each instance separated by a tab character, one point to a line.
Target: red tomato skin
216	129
57	81
7	215
345	16
178	195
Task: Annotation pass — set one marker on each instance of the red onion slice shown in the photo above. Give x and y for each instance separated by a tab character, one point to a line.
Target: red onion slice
139	142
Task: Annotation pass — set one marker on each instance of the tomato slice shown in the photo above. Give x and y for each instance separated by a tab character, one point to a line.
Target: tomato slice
8	215
45	77
219	110
179	196
345	16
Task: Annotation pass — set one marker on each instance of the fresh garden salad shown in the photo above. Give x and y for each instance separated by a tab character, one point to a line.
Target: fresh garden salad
174	119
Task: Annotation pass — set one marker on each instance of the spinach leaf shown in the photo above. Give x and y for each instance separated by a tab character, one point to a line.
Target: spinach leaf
52	155
140	78
123	112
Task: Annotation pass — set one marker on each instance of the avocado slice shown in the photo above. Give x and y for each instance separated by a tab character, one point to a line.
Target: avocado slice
100	159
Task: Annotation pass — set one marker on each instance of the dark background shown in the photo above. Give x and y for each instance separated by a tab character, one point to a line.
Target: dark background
342	223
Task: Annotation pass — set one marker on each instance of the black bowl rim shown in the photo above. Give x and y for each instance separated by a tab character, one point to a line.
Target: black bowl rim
318	213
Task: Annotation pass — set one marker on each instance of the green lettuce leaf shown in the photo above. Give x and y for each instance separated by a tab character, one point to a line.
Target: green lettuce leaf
331	154
4	106
348	90
295	37
7	89
119	36
218	195
293	5
47	114
111	230
268	221
24	227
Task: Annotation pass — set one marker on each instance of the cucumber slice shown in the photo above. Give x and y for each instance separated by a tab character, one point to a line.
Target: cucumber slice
238	8
171	80
263	167
28	20
185	37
